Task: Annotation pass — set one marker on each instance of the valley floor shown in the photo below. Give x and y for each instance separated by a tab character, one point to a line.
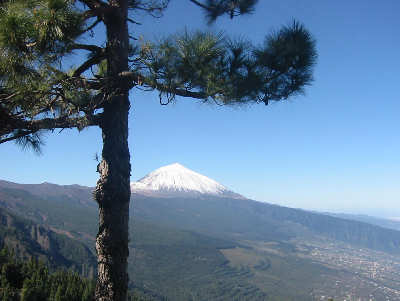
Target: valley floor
339	271
364	274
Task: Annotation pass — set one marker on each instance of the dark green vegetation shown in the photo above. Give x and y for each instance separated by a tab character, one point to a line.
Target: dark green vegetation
30	240
205	248
32	280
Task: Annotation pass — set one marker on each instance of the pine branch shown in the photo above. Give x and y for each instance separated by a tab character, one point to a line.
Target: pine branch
233	8
93	4
98	12
93	48
207	66
135	78
95	23
23	127
17	136
153	7
89	63
181	92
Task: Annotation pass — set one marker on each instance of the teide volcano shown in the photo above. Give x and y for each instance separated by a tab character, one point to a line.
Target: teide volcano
176	180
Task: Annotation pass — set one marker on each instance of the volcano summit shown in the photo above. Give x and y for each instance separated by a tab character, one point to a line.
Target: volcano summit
176	179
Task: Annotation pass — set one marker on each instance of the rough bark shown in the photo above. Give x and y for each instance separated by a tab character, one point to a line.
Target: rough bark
113	194
113	190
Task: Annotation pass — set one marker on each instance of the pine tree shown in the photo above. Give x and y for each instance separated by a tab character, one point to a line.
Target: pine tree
59	294
30	281
39	94
7	293
12	273
87	293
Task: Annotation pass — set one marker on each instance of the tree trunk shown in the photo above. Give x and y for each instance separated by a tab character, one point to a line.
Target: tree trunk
113	194
113	188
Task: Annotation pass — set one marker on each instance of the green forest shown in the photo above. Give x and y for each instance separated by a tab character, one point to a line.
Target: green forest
32	280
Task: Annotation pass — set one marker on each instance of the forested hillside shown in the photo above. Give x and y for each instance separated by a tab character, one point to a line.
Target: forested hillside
247	219
31	280
29	240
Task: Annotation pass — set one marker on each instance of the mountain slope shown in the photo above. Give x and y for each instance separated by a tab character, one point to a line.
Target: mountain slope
247	219
30	240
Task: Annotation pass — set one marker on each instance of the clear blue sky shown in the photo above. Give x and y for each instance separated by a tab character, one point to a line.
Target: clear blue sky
336	148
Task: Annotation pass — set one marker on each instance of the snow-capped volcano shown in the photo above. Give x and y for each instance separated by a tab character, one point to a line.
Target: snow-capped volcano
176	179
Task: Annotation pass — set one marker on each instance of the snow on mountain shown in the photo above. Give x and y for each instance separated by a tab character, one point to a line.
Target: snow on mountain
177	179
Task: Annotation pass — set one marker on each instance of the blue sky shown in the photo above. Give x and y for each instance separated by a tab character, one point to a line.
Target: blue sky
336	148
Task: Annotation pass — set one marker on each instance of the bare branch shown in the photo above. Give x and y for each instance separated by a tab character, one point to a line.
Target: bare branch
199	4
133	21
